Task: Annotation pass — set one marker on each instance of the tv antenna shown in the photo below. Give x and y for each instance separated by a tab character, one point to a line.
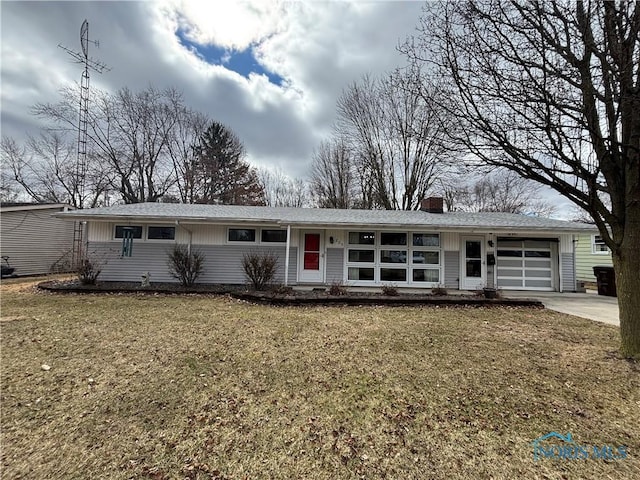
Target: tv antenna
83	115
89	64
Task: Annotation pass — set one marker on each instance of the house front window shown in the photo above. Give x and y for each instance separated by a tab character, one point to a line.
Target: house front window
136	230
394	257
161	233
242	235
273	236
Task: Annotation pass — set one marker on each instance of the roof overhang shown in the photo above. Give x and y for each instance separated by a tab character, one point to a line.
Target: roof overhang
44	206
190	220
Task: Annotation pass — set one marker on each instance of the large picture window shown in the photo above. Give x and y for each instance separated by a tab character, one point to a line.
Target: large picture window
404	258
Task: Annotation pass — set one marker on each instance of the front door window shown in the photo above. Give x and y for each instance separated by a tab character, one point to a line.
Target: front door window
311	258
473	270
473	252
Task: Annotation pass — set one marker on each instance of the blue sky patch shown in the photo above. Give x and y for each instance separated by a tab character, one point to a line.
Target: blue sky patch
242	62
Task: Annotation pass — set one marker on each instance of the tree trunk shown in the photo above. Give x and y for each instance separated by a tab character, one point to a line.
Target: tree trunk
627	267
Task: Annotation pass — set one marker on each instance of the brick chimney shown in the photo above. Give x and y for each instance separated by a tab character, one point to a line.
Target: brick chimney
432	205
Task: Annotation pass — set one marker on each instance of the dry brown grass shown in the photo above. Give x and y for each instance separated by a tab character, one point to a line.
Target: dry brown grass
200	387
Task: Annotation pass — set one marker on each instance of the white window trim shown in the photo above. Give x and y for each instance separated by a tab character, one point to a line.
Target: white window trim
593	246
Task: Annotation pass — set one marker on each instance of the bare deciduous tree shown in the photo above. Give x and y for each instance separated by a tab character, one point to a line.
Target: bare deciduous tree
501	191
396	134
182	146
46	169
131	132
281	190
334	178
551	91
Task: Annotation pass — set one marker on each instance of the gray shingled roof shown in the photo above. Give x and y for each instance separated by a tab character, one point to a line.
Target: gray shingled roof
159	212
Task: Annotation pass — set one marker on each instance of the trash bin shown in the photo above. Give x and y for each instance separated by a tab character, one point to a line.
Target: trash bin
606	278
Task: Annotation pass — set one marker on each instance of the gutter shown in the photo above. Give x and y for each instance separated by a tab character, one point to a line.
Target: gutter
471	229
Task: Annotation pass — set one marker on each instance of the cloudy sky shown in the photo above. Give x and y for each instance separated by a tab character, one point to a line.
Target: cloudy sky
270	70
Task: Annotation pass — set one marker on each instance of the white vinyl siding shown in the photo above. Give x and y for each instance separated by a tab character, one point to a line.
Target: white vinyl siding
36	241
586	259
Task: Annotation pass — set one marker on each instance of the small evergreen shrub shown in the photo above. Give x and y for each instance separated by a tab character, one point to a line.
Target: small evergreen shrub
184	265
260	268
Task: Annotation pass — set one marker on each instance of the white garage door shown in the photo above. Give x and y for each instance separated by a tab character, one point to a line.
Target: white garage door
524	265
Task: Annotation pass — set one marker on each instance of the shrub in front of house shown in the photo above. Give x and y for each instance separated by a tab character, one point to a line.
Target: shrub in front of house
259	268
88	271
184	264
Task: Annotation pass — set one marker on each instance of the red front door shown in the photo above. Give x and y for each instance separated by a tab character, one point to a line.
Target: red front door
311	251
311	266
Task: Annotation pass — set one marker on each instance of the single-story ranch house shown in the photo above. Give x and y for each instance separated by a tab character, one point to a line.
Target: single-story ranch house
417	249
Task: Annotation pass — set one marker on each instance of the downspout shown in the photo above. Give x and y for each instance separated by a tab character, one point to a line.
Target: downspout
190	235
286	257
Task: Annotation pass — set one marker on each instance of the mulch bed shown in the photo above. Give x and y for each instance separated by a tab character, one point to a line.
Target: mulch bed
291	297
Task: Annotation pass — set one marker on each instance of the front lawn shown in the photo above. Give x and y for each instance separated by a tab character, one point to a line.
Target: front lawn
193	386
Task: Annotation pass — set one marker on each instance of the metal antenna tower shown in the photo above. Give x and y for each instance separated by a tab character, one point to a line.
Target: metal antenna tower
83	115
83	118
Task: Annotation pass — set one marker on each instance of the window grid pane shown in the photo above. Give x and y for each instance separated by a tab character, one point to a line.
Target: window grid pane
393	256
361	256
393	238
393	275
426	240
362	238
363	274
426	257
426	275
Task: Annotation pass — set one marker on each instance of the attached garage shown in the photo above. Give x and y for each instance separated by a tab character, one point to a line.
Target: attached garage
526	264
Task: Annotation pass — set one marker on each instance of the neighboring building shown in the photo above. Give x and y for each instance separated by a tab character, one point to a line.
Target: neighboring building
355	247
35	241
590	252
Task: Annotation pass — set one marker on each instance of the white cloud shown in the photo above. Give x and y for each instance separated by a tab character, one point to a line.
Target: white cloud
317	47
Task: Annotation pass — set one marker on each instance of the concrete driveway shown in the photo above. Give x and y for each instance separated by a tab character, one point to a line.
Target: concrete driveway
586	305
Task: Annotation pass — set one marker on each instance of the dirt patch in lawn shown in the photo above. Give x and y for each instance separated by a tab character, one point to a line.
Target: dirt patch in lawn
172	386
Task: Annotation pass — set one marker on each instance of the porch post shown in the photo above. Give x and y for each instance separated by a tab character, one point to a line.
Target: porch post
286	257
